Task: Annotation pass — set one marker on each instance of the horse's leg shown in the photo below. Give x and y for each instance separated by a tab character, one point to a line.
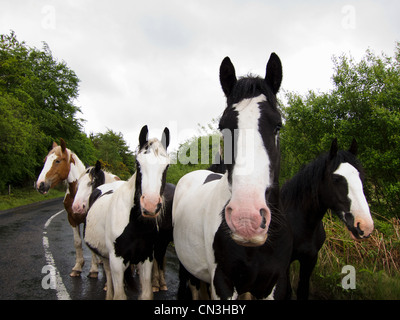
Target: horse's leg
117	273
195	292
283	290
222	287
306	268
161	272
271	296
109	284
79	261
155	281
94	271
145	269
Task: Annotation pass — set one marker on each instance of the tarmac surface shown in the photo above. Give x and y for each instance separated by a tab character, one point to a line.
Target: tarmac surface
37	255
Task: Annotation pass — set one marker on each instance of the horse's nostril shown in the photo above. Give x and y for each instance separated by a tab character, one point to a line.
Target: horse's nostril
263	223
360	232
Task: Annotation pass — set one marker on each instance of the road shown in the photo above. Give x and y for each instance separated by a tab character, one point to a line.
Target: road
37	240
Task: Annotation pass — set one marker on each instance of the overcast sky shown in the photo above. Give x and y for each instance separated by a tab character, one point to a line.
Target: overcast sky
157	62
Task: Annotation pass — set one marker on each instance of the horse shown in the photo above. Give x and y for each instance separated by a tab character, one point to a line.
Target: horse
122	225
92	178
62	164
332	181
229	231
96	178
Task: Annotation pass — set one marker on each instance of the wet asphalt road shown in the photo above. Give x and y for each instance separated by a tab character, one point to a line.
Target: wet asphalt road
23	257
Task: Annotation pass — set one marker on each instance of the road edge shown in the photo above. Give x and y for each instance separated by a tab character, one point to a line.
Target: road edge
31	205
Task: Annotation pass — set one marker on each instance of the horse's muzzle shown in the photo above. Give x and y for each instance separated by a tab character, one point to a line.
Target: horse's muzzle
43	187
154	214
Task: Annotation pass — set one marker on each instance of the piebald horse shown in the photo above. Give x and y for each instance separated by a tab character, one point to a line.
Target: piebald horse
96	178
62	164
333	181
122	225
89	181
229	231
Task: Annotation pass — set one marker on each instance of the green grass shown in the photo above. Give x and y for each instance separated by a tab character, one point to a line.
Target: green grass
23	196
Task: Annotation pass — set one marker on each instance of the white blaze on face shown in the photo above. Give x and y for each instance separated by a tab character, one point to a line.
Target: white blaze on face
80	204
47	166
247	213
359	206
152	166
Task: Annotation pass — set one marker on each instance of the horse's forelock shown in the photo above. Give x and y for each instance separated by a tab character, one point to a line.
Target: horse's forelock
156	147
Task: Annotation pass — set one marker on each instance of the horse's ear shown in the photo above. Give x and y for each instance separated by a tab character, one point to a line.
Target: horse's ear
54	145
143	136
334	149
63	145
273	75
354	147
97	166
227	76
165	138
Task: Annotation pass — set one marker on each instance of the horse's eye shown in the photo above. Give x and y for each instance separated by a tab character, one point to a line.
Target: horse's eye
58	161
277	128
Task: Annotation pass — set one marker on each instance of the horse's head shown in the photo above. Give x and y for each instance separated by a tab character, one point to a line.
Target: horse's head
90	180
250	125
56	167
343	190
152	162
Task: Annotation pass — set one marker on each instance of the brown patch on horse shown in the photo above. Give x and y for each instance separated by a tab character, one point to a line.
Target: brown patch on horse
60	169
71	159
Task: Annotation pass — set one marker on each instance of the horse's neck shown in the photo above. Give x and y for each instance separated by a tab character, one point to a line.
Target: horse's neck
222	189
308	210
126	192
76	168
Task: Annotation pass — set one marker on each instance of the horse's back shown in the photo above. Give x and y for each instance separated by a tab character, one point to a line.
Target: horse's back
195	222
97	216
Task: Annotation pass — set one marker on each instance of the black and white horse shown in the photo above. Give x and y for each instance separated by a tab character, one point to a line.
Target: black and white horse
228	229
332	181
123	225
91	179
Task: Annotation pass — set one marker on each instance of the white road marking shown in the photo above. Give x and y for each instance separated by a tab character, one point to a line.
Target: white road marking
62	293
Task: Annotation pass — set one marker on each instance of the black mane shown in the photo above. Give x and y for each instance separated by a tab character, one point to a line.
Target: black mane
303	187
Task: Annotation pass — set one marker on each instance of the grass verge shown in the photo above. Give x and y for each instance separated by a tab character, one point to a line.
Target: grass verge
27	195
376	261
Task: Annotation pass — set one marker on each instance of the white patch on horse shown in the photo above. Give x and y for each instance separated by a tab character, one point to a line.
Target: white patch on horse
47	166
250	177
359	205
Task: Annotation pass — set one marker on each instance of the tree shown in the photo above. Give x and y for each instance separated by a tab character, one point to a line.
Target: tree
114	154
196	153
37	95
364	104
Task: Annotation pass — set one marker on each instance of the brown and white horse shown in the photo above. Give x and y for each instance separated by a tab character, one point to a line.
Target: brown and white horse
62	164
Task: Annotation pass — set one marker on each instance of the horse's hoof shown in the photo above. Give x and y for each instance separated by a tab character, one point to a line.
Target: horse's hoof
156	289
75	273
164	288
93	275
